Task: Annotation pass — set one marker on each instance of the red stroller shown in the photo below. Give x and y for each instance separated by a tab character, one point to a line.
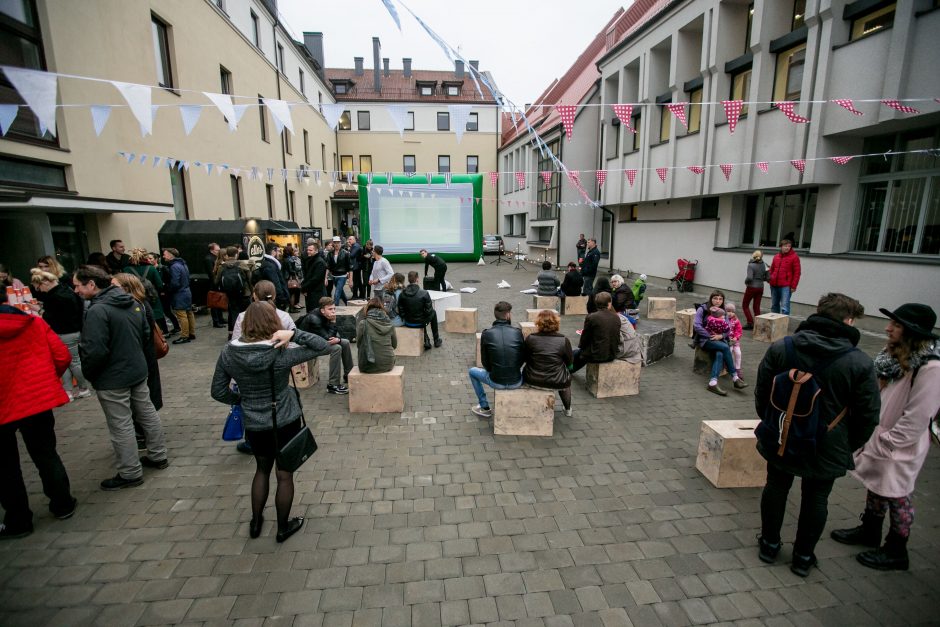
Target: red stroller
685	275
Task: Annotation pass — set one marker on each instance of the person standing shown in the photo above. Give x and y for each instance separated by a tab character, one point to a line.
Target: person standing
293	272
338	263
130	284
600	339
314	283
581	248
417	310
433	260
754	288
234	278
141	267
784	277
210	264
908	371
181	298
502	356
825	341
354	250
116	259
156	260
112	350
64	312
381	271
592	258
366	263
271	271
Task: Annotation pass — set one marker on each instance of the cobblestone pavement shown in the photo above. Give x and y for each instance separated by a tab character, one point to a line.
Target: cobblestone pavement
425	518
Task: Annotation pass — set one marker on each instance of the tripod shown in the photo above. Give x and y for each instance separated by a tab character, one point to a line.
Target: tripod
499	258
519	265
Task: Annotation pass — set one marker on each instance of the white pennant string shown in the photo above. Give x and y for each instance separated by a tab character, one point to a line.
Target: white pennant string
190	116
281	114
39	90
459	115
239	112
332	111
99	116
223	103
138	99
7	115
399	115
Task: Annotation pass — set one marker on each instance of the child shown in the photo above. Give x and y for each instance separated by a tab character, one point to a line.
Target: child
716	323
735	332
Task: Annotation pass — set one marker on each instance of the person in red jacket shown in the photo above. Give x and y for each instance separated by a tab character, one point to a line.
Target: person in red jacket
784	277
34	358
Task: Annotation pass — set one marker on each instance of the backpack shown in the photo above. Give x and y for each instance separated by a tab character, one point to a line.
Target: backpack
151	292
256	275
231	281
790	424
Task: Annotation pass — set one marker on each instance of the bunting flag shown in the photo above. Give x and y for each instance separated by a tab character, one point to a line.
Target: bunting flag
8	113
624	113
138	99
393	12
283	174
239	112
156	161
841	160
546	177
601	177
209	168
697	169
332	112
799	164
39	90
388	179
631	176
661	173
567	113
520	178
726	170
223	102
447	179
787	107
848	105
427	177
896	104
189	114
575	177
316	177
459	114
762	166
678	110
732	112
369	178
281	114
494	179
399	115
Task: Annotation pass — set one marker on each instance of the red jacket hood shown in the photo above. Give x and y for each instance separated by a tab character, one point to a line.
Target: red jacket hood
12	324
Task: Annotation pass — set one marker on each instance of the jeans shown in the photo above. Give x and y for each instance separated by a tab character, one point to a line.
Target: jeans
752	295
75	368
814	501
780	300
588	288
38	433
340	357
339	293
479	376
121	407
218	318
721	352
187	322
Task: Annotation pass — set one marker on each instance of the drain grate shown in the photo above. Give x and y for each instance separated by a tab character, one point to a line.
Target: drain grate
470	281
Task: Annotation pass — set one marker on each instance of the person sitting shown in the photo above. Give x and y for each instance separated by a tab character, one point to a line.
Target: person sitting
322	322
440	269
601	285
417	311
600	338
716	323
715	344
573	282
501	353
548	357
375	339
548	282
622	294
393	290
735	331
630	348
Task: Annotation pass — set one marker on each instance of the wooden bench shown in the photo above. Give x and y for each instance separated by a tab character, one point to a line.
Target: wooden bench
576	305
770	327
524	411
377	393
684	322
461	320
410	342
546	302
727	454
613	378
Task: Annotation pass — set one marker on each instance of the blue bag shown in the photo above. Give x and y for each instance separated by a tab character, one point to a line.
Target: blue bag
234	427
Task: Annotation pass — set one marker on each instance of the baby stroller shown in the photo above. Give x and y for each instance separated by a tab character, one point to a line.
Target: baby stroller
685	275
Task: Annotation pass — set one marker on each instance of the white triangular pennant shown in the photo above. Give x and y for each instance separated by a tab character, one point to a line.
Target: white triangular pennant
239	112
190	116
138	99
399	116
332	112
281	114
209	168
458	117
7	115
99	117
39	91
223	103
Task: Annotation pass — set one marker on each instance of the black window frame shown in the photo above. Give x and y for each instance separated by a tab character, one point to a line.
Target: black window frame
263	120
446	119
269	199
348	125
473	122
548	196
441	168
255	29
368	118
165	53
225	81
404	164
410	121
476	167
306	147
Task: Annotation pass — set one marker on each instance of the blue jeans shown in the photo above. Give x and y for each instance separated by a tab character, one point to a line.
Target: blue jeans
721	351
339	282
479	376
780	300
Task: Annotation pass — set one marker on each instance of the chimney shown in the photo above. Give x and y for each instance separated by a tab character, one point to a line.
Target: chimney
406	65
458	68
385	66
376	69
475	64
313	42
358	61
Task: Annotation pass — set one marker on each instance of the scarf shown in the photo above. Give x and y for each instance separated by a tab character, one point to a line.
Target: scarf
889	369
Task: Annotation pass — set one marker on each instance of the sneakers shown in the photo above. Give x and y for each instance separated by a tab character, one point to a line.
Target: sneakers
766	551
739	384
67	512
337	389
149	463
9	534
802	564
483	412
81	393
714	389
438	342
568	413
117	482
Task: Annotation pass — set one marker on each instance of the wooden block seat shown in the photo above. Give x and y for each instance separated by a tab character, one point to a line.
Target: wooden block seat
727	454
528	328
524	411
613	378
461	320
546	302
770	327
377	393
533	314
702	363
346	321
658	339
305	375
410	342
576	305
683	322
661	308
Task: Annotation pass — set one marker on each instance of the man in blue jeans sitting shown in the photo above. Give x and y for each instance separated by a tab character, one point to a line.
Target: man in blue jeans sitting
501	355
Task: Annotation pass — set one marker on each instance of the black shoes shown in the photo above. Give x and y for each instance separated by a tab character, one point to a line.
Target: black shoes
892	556
149	463
802	564
766	551
438	342
337	389
427	345
182	340
293	526
244	447
254	527
866	534
11	534
67	512
218	326
117	482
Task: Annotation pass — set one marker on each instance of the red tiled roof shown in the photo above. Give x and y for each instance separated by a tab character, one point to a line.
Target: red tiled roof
397	88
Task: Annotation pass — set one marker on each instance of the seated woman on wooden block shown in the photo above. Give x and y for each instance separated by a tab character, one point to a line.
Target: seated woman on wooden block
548	358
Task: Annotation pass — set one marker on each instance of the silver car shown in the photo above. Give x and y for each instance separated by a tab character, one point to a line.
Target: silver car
492	244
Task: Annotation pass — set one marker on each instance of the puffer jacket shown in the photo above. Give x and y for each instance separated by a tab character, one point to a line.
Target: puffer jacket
376	342
414	305
33	358
178	289
548	283
113	340
63	310
547	359
785	270
501	352
847	383
756	271
249	364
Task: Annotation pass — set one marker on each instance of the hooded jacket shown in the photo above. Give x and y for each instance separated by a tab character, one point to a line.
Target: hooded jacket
249	364
785	270
112	344
33	358
547	358
178	289
849	382
756	274
415	306
376	342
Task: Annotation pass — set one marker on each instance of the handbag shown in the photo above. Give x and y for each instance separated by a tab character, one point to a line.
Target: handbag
234	429
160	347
293	284
216	300
299	448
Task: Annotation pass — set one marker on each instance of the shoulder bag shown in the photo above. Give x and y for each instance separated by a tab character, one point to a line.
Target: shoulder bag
216	300
293	453
160	347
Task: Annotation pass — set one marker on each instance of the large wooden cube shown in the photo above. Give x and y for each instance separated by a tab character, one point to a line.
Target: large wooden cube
524	411
442	301
461	320
727	454
770	327
377	393
479	361
576	305
305	375
533	314
613	378
528	328
410	342
684	320
546	302
702	363
661	308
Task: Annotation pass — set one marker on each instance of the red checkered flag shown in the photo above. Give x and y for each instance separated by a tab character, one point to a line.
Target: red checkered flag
494	179
631	176
896	104
787	107
601	177
546	177
624	113
763	166
661	173
678	110
732	112
841	160
799	164
575	177
697	169
520	178
567	113
726	170
848	105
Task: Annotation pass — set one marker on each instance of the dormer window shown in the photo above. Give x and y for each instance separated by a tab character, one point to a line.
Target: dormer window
452	89
342	86
426	88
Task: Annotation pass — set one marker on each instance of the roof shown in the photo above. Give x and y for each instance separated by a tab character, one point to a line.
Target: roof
397	88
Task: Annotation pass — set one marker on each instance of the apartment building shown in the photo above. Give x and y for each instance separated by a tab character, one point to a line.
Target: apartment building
72	192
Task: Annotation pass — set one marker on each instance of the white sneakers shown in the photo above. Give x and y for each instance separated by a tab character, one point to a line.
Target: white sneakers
78	393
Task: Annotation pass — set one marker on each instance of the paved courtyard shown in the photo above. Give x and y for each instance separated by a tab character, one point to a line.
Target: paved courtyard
426	518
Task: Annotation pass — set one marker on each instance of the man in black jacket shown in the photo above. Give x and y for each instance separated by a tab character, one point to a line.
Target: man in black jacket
600	339
338	263
417	310
322	322
314	283
501	352
116	259
218	320
847	383
271	271
354	250
440	269
113	361
589	266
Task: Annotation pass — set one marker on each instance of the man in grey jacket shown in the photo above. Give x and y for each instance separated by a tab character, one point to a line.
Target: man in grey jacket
112	354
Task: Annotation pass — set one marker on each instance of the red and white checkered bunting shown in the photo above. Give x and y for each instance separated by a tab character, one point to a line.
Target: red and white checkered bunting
624	113
567	113
762	166
520	178
678	110
546	177
896	104
494	179
799	164
848	105
601	177
661	173
697	169
732	112
726	170
575	177
787	107
841	160
631	176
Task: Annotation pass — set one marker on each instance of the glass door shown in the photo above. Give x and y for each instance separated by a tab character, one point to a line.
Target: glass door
69	239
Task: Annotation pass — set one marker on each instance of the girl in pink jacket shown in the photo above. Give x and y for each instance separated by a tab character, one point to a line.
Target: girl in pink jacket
734	335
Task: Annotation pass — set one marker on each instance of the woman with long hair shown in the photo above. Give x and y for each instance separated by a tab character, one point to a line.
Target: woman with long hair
548	357
393	290
375	339
50	264
261	372
64	312
715	345
908	370
601	284
140	265
132	285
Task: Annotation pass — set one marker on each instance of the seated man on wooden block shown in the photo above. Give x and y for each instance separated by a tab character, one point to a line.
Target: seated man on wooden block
548	282
322	322
600	339
501	352
417	310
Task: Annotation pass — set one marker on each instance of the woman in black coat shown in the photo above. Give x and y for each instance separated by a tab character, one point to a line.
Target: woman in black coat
601	284
548	357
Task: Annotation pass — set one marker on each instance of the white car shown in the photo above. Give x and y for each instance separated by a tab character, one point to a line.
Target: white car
492	244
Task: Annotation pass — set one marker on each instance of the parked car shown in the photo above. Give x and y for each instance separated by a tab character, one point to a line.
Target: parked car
493	244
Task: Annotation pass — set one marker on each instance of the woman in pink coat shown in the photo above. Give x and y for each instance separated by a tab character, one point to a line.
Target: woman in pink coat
909	376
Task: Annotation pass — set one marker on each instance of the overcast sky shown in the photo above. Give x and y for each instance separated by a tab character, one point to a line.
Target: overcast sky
525	45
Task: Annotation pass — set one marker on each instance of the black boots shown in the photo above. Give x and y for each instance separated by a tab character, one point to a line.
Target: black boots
892	556
866	534
767	551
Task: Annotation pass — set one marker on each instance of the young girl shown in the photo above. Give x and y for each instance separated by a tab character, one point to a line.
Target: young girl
735	331
716	323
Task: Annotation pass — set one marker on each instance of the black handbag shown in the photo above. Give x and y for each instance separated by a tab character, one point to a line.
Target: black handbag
299	448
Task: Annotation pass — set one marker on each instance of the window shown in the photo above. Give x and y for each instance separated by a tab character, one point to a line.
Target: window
24	173
788	80
263	118
695	111
443	163
514	225
453	90
362	120
21	46
750	25
548	196
285	139
345	121
627	213
705	208
873	21
310	209
365	163
340	88
178	189
236	196
665	123
225	81
269	196
280	58
291	209
306	147
473	122
303	84
255	30
408	163
323	156
772	216
345	164
161	50
637	120
443	121
425	88
899	206
410	121
741	88
473	164
799	14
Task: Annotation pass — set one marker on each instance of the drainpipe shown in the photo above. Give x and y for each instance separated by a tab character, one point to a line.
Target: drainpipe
277	78
600	157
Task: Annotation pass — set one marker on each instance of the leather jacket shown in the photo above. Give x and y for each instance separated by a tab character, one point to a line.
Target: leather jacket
414	305
501	351
547	357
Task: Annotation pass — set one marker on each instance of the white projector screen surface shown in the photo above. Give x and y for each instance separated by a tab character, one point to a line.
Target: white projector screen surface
405	222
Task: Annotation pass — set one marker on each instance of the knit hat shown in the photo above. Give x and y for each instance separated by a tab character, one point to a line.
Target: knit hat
642	277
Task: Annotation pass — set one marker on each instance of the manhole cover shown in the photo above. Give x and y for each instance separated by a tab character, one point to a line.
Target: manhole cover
469	281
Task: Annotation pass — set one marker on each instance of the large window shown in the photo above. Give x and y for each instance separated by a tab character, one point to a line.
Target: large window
873	20
473	122
21	46
161	51
345	121
788	80
665	123
410	121
741	88
443	163
514	225
23	173
443	121
899	200
225	81
365	163
548	196
363	121
345	164
695	110
408	163
772	216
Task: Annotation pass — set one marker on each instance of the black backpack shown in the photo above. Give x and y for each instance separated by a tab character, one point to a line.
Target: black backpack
231	281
